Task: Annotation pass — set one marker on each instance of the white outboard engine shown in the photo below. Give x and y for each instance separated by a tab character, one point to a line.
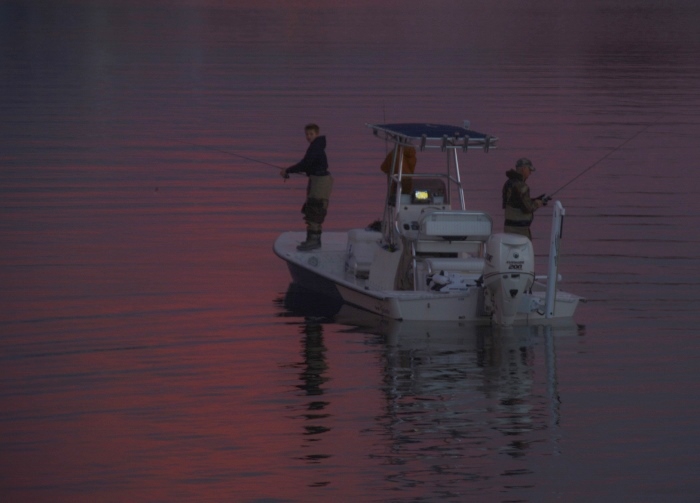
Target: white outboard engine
509	273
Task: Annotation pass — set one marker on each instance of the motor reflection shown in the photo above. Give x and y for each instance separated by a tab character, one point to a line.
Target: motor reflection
461	395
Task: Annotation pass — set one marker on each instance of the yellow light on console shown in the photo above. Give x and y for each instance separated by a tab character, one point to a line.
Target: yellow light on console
421	196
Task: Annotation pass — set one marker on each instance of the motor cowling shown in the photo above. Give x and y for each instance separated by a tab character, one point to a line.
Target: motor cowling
509	273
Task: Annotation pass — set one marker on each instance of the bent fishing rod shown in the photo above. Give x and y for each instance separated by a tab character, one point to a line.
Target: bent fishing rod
549	196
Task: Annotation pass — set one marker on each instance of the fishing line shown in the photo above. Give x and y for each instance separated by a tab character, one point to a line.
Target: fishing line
600	160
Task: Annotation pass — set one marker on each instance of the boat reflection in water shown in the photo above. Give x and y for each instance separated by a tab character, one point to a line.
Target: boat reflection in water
459	395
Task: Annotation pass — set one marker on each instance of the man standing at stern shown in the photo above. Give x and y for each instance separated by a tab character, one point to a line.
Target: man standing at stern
318	190
520	208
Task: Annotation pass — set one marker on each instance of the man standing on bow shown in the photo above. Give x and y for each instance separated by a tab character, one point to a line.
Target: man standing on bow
520	208
318	190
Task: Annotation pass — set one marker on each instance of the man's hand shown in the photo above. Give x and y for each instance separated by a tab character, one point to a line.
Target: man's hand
542	200
284	174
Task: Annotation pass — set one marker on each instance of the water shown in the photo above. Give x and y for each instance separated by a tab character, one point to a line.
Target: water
151	346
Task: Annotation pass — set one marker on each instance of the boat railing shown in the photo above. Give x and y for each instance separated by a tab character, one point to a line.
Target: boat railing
452	182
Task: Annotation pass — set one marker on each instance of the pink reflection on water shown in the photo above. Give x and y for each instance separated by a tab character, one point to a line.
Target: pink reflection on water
145	353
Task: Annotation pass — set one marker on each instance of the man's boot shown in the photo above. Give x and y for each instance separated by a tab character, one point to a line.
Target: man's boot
313	241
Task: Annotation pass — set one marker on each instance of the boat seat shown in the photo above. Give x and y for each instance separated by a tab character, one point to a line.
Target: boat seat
472	265
455	225
473	248
461	232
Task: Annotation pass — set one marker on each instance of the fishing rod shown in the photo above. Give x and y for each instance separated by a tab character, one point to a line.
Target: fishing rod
549	196
219	150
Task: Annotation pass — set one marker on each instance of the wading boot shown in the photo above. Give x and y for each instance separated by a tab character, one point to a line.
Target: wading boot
313	241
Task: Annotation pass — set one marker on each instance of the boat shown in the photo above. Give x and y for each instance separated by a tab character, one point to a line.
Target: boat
430	258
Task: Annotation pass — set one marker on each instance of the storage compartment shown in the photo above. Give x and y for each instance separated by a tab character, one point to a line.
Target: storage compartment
360	251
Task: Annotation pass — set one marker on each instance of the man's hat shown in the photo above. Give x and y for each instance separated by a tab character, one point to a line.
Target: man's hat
524	162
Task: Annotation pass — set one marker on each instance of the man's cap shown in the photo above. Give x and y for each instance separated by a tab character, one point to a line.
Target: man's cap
524	162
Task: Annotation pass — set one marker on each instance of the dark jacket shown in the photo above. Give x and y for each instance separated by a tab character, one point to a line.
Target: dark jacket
519	206
314	161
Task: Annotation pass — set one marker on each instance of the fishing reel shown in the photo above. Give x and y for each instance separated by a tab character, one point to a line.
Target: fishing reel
544	198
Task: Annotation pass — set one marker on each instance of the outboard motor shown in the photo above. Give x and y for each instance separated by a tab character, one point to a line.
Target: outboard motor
509	273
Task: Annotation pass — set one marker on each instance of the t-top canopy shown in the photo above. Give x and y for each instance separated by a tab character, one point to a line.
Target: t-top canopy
434	135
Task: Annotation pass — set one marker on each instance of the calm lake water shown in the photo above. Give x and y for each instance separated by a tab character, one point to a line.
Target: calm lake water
151	346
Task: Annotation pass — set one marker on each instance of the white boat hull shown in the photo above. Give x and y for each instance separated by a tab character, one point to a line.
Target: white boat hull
324	271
